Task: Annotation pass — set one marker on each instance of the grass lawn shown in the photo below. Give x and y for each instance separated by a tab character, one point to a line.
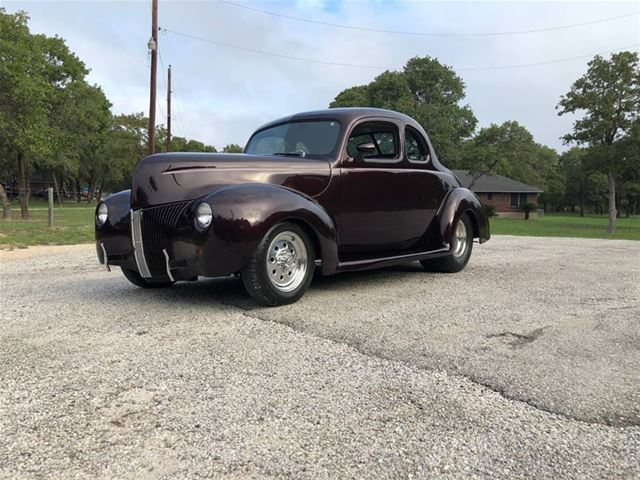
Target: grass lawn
552	225
72	223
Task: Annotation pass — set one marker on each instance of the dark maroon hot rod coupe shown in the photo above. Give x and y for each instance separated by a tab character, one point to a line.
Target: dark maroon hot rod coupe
338	190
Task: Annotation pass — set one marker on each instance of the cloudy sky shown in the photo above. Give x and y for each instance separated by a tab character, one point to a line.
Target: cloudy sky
221	94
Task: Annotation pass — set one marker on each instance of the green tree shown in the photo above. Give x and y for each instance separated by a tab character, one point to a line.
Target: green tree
126	144
35	70
123	147
198	146
548	176
233	148
82	120
426	90
510	149
5	169
181	144
628	150
576	174
608	97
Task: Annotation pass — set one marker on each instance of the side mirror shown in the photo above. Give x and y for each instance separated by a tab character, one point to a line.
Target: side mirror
366	148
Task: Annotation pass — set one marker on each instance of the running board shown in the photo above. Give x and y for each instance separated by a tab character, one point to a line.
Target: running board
370	263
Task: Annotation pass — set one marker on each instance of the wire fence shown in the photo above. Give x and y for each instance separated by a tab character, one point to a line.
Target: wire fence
39	190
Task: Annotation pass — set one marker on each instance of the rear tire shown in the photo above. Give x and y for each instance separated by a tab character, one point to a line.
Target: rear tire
135	278
281	269
460	249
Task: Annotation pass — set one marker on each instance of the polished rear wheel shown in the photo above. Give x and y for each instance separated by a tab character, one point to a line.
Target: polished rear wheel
461	246
460	240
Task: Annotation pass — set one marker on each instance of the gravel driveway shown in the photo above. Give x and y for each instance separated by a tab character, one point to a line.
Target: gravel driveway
526	364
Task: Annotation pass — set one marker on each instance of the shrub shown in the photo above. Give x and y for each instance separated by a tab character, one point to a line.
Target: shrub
527	208
490	210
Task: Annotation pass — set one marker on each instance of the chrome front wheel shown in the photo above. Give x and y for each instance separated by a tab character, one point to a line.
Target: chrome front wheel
281	269
287	261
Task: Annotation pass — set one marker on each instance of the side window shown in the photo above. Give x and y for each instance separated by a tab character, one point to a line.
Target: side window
384	137
354	141
386	143
414	148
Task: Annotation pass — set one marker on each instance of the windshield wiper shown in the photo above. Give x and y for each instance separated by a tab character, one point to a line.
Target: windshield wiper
291	154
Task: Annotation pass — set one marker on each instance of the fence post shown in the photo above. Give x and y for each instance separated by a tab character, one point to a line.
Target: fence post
50	195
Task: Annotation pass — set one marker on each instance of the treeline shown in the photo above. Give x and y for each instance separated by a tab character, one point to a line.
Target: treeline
56	126
599	174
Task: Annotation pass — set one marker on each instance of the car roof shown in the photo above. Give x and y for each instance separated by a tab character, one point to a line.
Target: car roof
348	115
343	115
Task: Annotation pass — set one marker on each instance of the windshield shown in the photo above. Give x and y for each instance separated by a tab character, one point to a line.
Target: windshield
316	138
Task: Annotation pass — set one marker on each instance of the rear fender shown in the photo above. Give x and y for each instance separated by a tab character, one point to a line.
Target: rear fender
244	214
457	202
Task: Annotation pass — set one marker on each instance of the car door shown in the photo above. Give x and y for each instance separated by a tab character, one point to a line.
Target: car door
427	184
383	208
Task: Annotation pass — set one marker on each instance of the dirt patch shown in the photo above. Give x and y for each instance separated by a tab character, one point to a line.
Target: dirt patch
519	339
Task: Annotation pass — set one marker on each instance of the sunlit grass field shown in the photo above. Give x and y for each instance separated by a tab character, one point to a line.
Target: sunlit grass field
73	223
558	225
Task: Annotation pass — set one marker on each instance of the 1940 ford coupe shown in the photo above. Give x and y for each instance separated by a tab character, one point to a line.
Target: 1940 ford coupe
335	190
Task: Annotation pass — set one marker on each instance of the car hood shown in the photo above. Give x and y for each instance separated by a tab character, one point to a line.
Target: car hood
173	177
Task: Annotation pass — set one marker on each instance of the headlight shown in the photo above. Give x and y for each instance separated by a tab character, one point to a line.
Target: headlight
102	213
204	215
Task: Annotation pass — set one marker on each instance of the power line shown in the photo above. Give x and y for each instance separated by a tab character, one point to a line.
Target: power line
387	67
179	117
164	80
279	55
548	62
162	115
428	34
158	102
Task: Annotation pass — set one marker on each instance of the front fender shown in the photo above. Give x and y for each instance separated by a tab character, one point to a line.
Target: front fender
244	214
457	202
115	234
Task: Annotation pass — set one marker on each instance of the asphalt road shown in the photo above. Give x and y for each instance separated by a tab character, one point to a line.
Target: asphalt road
526	364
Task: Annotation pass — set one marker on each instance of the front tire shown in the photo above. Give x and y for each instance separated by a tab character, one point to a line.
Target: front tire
461	247
135	278
281	269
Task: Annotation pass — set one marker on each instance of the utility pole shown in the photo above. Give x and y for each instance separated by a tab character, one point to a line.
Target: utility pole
169	109
153	47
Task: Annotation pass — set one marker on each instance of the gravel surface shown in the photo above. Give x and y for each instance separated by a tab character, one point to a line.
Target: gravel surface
524	365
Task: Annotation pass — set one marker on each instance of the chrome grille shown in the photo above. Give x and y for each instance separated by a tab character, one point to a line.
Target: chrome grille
138	244
152	231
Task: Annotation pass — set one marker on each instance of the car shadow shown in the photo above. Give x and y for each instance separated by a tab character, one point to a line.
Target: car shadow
230	291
